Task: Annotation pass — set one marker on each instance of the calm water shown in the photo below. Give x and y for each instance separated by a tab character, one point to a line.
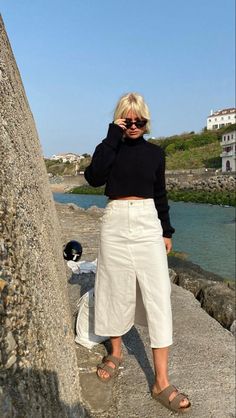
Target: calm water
206	233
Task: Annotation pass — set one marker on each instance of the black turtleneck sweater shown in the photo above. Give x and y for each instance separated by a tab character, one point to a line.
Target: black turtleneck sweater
131	167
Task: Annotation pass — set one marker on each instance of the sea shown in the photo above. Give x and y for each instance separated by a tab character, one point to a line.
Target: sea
205	233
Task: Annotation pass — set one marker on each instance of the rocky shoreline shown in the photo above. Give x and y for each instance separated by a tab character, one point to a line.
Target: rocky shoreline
216	183
216	296
186	185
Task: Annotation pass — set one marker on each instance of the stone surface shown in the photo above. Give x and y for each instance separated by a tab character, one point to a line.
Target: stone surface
38	372
233	328
216	297
214	183
201	358
219	301
209	180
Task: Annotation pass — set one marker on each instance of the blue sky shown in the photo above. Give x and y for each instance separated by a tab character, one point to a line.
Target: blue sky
78	57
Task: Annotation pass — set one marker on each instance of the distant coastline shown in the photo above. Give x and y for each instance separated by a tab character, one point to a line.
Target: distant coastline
196	196
183	186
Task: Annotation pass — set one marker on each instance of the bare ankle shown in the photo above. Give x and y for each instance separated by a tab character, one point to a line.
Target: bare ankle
161	383
117	352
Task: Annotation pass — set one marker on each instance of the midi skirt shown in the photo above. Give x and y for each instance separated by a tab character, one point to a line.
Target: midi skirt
132	275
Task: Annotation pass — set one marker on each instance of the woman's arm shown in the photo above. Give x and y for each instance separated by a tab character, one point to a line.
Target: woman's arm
104	156
160	198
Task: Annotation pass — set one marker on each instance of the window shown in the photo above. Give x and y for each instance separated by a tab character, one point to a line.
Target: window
228	168
228	137
228	117
215	126
222	117
215	119
209	120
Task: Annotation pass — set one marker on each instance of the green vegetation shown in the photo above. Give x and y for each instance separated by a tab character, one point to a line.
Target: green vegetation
197	196
199	157
191	150
58	168
178	254
85	162
200	196
86	189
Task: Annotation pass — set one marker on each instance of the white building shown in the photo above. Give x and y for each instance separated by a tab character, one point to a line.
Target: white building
221	118
228	154
69	156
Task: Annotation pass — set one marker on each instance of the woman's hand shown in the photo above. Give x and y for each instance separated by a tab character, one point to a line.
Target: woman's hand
168	244
121	123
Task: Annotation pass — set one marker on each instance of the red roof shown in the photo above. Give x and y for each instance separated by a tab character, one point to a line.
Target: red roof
222	112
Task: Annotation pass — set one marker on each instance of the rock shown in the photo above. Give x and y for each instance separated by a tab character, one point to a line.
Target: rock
35	299
172	275
3	284
95	210
233	327
72	206
191	281
11	360
219	301
216	297
2	310
6	407
216	183
10	342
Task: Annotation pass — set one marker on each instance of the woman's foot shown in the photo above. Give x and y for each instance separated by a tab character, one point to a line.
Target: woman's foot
109	367
183	404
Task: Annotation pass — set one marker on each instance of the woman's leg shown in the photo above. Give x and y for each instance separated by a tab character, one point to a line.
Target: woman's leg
160	360
116	352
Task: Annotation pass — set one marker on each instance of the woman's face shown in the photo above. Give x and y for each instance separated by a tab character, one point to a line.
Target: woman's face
133	131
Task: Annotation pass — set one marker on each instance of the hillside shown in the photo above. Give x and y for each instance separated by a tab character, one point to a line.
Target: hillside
184	151
191	150
206	156
58	168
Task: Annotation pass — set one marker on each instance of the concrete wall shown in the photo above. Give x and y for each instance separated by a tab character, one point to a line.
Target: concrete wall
38	366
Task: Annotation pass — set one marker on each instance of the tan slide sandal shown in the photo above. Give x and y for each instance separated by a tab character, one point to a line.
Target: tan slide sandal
174	404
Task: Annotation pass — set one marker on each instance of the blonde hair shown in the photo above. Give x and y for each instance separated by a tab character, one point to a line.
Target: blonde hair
134	102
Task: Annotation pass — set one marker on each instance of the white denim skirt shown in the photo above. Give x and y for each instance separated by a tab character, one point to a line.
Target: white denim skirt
132	278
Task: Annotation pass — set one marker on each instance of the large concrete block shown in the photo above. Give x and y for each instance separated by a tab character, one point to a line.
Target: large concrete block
38	366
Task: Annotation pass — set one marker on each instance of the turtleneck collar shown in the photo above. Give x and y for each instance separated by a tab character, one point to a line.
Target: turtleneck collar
133	142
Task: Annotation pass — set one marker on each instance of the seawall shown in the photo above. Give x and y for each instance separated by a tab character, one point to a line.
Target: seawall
209	181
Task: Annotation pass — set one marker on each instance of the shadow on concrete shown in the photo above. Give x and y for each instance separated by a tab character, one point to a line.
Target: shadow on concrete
84	280
135	346
131	340
32	393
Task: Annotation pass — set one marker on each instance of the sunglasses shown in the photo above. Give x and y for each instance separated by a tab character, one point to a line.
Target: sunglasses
138	123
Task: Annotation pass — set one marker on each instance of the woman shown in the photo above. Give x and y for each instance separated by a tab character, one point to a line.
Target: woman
135	238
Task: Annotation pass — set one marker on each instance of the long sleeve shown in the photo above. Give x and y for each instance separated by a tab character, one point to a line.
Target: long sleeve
104	156
160	199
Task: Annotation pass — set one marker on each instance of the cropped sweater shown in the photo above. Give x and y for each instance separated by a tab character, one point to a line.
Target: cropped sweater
131	167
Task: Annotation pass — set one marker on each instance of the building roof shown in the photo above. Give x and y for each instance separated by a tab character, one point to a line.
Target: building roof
222	112
66	154
229	132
